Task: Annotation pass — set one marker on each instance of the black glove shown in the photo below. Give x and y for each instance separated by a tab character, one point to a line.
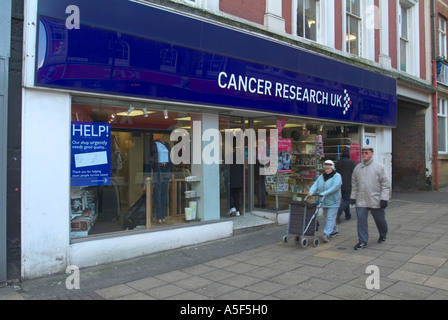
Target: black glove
352	201
383	204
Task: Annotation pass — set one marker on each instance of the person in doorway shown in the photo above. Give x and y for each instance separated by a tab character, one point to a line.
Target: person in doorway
162	167
328	185
345	168
370	191
260	185
236	176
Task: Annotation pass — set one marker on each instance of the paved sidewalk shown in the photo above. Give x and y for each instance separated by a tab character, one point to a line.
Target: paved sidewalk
412	265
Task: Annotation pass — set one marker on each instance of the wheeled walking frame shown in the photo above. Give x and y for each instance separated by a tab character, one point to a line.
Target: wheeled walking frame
303	221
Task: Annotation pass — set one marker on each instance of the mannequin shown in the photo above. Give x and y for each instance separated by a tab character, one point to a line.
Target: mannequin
161	166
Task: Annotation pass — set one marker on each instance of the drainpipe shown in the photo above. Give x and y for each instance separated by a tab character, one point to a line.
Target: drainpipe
435	143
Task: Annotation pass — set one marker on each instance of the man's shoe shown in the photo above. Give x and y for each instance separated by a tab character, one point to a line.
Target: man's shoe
326	238
348	216
382	239
231	211
360	246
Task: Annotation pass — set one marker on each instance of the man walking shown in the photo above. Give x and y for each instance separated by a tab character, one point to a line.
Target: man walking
345	167
370	191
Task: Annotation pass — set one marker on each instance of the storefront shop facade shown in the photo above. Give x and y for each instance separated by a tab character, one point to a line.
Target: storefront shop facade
125	121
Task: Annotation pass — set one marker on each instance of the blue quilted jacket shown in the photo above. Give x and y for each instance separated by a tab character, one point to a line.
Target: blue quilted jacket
331	189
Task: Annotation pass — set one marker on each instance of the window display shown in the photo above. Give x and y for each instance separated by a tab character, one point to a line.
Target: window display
302	149
122	177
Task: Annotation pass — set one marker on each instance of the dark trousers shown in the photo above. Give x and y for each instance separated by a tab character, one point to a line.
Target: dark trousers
235	198
160	191
379	216
345	204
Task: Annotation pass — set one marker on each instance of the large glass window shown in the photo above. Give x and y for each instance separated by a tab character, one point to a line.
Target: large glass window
302	147
122	176
307	19
353	23
442	126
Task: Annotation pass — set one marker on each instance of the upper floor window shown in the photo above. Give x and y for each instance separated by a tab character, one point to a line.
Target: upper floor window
353	26
442	125
408	37
307	15
404	37
442	37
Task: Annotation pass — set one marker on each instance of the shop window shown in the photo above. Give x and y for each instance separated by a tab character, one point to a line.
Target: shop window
122	177
442	126
353	26
303	146
307	19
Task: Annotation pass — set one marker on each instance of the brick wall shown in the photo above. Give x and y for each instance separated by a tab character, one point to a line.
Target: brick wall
252	10
408	155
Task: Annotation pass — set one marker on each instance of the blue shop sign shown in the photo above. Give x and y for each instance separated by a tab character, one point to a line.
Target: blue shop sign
156	54
90	164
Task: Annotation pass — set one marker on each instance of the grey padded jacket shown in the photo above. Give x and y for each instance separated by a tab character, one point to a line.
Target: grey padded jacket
370	184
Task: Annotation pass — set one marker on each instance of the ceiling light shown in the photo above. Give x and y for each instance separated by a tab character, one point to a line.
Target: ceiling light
183	119
133	113
131	108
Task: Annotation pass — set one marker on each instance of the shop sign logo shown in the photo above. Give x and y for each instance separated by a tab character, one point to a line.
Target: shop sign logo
347	102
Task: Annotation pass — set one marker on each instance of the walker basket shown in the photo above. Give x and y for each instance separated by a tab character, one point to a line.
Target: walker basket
301	212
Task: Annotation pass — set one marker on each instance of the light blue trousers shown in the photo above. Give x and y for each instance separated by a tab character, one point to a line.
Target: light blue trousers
330	220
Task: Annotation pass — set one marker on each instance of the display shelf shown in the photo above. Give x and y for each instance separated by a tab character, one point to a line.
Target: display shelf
191	195
83	211
334	146
304	166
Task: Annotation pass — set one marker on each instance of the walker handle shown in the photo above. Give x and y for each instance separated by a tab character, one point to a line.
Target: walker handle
315	195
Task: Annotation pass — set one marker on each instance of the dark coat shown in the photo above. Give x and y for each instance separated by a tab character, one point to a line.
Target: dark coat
236	174
345	168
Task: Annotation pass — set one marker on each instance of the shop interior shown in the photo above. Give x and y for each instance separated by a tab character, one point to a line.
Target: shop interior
129	203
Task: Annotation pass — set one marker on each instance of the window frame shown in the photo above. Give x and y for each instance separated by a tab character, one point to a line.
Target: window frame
442	37
356	16
295	20
404	39
411	41
442	117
